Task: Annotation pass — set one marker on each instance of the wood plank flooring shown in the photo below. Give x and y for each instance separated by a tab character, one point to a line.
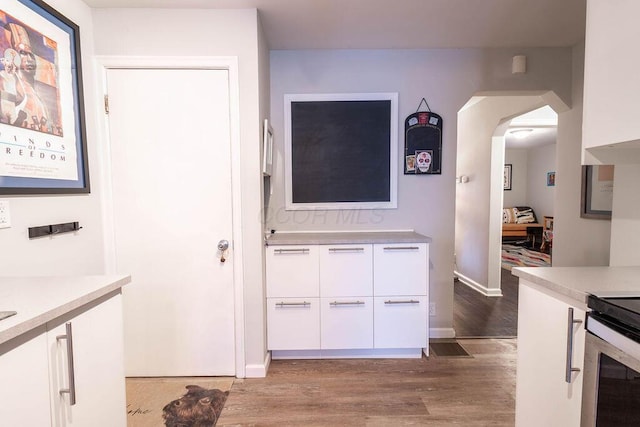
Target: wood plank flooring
434	391
475	315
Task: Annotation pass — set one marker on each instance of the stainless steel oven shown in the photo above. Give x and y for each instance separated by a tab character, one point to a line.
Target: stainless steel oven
611	383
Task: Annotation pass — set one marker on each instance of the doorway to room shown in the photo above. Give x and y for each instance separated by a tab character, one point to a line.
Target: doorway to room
483	125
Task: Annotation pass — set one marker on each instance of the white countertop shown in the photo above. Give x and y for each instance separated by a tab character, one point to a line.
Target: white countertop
578	282
38	300
350	237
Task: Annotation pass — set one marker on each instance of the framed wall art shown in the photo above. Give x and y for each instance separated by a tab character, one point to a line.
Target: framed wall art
42	129
506	180
341	151
597	192
551	179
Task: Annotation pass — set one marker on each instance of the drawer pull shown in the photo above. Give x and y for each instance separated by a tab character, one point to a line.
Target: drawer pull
569	368
346	249
291	251
401	248
293	304
337	303
71	391
409	301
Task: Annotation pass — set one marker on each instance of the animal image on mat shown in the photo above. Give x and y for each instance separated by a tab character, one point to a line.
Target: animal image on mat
199	407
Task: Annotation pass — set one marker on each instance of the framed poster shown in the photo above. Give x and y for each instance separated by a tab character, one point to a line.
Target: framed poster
551	179
506	180
597	192
341	151
42	129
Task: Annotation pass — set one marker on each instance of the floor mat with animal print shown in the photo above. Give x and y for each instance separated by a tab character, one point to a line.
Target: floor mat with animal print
172	402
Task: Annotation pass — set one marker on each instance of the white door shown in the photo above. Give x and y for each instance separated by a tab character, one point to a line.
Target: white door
172	204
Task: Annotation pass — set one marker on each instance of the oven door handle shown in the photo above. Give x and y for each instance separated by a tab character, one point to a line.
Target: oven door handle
570	322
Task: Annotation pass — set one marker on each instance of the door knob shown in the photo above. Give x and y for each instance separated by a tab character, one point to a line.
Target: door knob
223	245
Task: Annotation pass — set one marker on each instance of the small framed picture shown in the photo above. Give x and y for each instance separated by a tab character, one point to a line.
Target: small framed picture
506	182
551	179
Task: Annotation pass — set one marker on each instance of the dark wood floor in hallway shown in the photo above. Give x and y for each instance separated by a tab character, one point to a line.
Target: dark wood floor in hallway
475	315
437	391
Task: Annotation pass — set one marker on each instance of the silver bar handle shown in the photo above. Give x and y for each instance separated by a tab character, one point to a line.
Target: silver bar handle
410	301
346	249
71	372
570	322
337	303
401	248
293	304
291	251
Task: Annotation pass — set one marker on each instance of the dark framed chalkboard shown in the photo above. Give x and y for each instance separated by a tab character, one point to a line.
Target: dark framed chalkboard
341	151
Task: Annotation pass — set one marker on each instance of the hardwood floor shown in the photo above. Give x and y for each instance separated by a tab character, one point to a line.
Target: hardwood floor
475	315
434	391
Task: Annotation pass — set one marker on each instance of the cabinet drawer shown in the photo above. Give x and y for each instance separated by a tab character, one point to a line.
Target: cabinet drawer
347	323
293	323
346	270
400	269
293	271
400	322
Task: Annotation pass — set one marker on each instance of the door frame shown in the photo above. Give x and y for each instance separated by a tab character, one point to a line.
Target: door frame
230	64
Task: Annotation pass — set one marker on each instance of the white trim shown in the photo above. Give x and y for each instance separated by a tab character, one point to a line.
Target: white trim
393	150
435	333
229	63
488	292
259	370
380	353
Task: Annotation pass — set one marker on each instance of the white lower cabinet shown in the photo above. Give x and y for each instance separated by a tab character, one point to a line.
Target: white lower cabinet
24	374
293	323
551	339
98	368
370	297
346	323
34	368
400	322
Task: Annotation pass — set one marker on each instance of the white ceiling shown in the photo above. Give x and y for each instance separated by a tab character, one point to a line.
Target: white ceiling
399	24
543	123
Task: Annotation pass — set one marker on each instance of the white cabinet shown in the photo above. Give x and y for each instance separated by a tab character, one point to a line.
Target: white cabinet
611	81
293	323
98	369
347	323
293	271
332	297
34	368
24	372
545	333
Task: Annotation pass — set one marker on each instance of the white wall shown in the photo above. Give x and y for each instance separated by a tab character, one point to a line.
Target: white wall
576	241
540	161
74	253
447	78
517	196
625	221
164	32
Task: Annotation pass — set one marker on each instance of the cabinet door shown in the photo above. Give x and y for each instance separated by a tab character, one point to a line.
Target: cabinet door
293	271
98	367
346	270
543	397
346	323
24	373
400	322
400	269
293	323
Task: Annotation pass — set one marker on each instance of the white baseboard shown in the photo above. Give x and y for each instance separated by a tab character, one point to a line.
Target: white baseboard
442	333
488	292
259	370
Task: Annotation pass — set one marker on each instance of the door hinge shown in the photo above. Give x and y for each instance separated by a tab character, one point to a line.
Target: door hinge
106	104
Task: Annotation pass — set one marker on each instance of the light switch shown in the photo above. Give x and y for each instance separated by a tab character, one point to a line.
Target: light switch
5	215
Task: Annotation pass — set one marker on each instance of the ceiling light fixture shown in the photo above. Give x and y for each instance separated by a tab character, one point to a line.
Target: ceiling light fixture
521	133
